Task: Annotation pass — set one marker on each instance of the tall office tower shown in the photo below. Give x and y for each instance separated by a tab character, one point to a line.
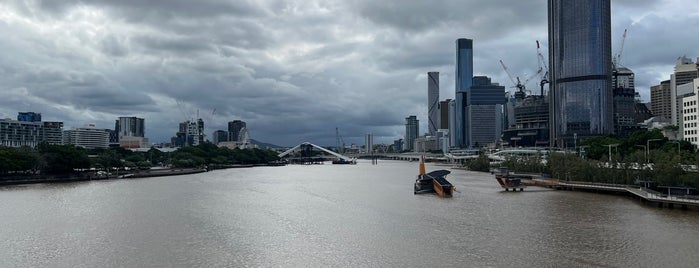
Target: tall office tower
412	130
685	72
661	101
432	102
464	76
29	117
452	123
444	114
484	118
131	127
580	63
369	143
234	128
220	136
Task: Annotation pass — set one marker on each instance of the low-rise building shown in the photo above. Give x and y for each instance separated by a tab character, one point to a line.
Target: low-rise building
88	137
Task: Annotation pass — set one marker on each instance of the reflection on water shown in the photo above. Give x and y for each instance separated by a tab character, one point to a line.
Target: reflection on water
332	215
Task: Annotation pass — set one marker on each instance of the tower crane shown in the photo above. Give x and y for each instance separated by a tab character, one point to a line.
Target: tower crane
617	57
542	67
521	86
616	60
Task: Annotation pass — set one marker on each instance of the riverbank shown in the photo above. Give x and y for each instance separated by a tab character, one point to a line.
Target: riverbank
127	174
90	176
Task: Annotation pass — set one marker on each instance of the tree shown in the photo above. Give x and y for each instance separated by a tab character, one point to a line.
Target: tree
482	163
63	159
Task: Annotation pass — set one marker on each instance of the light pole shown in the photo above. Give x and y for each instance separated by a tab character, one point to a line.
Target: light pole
648	146
645	151
678	146
610	150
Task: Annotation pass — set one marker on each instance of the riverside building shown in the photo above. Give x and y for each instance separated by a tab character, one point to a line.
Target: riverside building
29	131
412	130
464	76
580	61
88	137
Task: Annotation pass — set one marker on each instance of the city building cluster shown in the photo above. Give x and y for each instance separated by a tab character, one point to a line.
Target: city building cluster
129	132
588	93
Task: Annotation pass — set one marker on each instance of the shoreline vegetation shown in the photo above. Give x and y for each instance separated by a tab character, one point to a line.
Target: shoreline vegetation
645	157
67	163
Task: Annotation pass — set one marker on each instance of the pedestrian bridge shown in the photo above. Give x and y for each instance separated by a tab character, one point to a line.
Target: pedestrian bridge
297	147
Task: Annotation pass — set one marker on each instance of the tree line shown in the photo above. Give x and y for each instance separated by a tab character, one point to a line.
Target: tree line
48	159
643	156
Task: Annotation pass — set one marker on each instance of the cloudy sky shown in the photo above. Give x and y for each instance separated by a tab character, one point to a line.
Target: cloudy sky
292	69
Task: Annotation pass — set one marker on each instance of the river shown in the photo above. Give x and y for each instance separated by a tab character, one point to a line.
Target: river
333	216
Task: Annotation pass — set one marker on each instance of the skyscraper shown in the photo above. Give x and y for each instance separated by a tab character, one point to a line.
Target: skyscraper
234	128
661	101
464	75
685	72
580	60
131	127
484	110
412	130
432	102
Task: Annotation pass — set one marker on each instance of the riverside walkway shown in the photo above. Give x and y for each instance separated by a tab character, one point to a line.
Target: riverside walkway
642	194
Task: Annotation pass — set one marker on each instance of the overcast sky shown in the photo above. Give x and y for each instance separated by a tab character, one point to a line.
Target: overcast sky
293	70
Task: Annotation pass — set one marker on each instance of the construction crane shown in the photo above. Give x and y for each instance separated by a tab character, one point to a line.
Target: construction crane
542	67
617	57
616	60
521	86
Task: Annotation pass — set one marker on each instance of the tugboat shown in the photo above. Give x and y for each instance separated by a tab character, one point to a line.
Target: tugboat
434	181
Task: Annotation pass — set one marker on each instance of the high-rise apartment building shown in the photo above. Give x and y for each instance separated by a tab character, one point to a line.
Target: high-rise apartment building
234	128
690	115
29	132
464	76
580	63
131	127
412	130
191	133
661	101
432	102
130	132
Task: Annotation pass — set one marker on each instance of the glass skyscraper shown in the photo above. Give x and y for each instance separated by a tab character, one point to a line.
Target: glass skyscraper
412	130
580	68
464	76
432	102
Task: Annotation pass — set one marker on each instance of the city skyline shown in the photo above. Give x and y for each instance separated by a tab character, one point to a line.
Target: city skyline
292	71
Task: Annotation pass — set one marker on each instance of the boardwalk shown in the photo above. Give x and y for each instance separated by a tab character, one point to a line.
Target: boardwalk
641	193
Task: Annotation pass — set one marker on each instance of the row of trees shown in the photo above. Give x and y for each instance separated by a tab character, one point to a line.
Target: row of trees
643	156
66	159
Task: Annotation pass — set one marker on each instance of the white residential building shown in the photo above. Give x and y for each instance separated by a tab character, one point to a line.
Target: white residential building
88	137
690	115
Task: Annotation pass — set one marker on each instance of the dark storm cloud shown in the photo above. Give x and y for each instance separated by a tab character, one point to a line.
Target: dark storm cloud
293	69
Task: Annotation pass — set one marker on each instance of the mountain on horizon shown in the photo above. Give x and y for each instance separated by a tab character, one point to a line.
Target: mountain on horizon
264	144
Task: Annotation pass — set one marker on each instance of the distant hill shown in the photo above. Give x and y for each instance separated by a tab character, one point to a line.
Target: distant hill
264	145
